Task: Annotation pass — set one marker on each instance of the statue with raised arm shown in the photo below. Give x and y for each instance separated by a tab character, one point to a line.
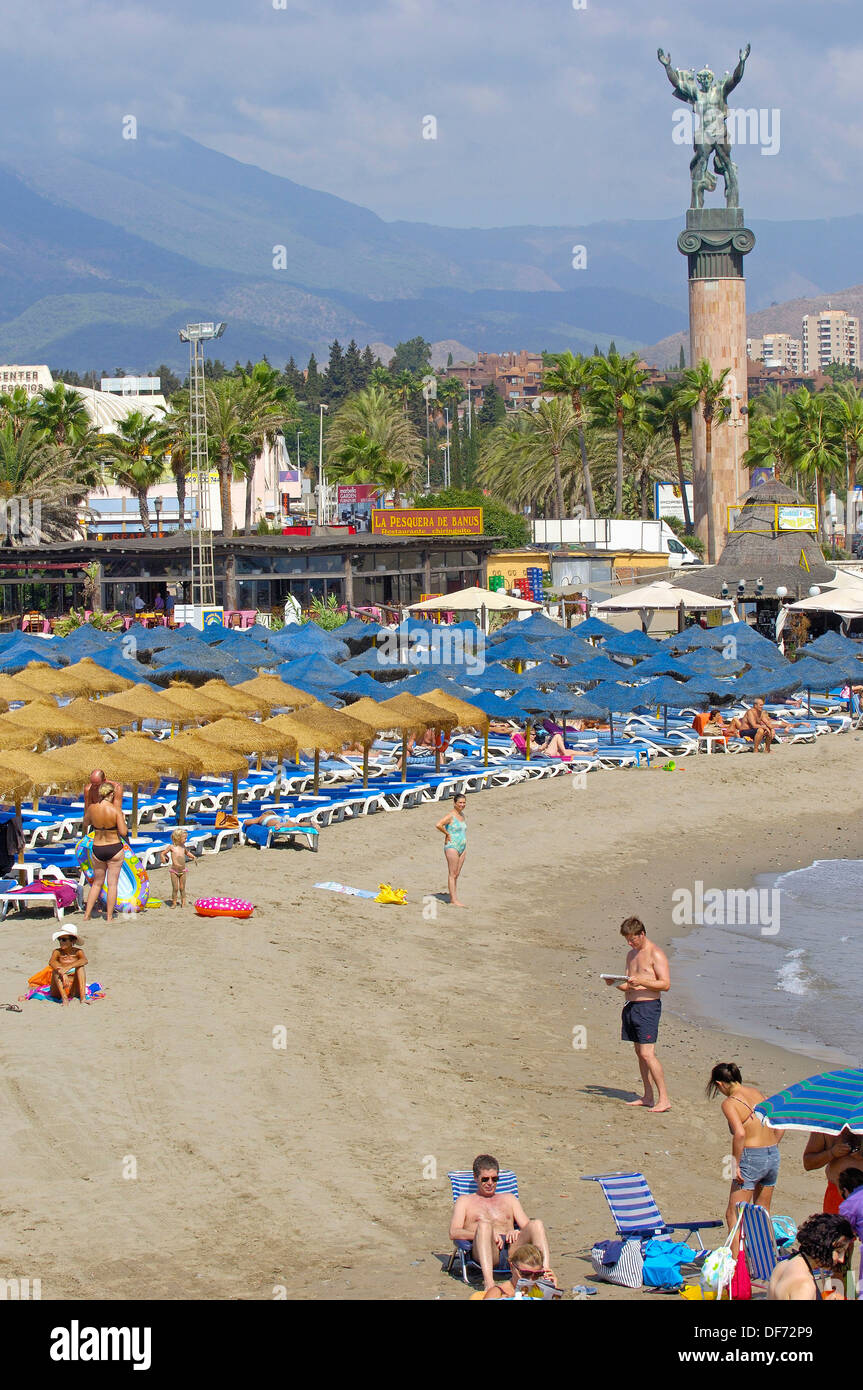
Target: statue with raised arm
709	99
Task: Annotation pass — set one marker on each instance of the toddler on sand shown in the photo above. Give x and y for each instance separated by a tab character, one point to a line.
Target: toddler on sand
177	856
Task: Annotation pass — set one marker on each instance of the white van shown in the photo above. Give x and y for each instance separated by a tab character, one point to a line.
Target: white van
652	537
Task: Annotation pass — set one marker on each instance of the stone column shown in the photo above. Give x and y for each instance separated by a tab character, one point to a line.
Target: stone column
715	242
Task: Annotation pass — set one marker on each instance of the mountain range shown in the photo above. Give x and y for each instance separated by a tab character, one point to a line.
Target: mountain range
105	253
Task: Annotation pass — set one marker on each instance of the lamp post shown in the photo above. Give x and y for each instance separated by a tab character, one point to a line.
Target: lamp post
158	503
321	480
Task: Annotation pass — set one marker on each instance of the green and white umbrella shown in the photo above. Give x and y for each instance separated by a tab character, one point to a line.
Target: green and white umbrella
828	1103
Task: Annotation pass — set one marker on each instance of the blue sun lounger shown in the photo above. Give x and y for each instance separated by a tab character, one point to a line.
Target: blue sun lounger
633	1207
265	836
463	1183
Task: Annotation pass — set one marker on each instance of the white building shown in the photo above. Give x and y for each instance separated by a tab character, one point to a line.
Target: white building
34	380
830	336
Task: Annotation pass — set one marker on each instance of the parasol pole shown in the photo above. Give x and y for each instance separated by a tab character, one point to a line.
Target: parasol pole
234	792
18	814
182	797
134	808
365	765
527	740
317	770
485	748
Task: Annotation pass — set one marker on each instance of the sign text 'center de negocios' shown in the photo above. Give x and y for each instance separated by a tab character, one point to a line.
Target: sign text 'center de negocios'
427	521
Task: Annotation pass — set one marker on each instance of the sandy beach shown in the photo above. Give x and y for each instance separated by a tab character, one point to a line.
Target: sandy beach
313	1072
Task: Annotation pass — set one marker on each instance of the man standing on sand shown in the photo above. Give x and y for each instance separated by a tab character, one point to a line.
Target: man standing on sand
91	791
495	1221
647	978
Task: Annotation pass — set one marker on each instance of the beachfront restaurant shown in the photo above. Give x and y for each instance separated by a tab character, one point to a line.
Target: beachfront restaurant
252	572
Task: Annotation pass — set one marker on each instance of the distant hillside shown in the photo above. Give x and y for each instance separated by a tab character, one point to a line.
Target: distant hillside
104	253
778	318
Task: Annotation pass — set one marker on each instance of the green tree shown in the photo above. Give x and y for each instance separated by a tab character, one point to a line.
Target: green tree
374	413
414	356
354	375
267	407
133	458
770	443
492	412
668	410
174	446
313	388
335	384
816	446
617	382
701	390
32	466
61	413
846	407
571	376
681	363
526	448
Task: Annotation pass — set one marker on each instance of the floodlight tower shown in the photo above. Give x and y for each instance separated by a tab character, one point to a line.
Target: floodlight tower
203	574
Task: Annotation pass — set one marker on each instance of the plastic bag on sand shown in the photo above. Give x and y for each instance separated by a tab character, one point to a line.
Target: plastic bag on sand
386	894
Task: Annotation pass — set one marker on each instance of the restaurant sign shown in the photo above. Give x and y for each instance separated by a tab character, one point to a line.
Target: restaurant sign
427	521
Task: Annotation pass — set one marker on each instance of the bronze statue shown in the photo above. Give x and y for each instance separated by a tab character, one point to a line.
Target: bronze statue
708	98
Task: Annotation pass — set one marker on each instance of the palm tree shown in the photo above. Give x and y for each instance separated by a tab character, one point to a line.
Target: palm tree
268	405
770	443
846	406
668	410
816	445
226	438
174	445
405	385
134	458
374	413
52	479
770	401
358	459
61	412
523	457
16	407
647	457
701	390
571	376
617	382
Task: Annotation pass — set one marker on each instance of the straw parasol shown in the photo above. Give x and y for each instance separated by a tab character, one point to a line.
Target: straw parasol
248	737
99	681
421	715
13	688
159	758
43	719
306	736
193	701
214	758
145	703
470	715
22	775
98	715
237	701
339	725
53	682
277	693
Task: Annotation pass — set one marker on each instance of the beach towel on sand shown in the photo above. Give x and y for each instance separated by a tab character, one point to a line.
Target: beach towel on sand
345	888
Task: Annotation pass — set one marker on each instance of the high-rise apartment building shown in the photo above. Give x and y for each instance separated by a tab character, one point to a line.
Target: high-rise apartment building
830	336
776	350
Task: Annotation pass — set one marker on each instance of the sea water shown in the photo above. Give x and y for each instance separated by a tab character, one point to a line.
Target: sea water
802	987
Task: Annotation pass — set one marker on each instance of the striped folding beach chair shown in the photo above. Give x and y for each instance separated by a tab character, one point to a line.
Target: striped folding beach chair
759	1242
462	1183
633	1206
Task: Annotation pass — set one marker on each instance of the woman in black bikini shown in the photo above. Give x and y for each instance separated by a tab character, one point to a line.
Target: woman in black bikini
109	830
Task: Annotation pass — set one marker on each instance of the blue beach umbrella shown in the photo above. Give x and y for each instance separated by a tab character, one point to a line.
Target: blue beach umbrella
515	649
660	666
831	645
633	643
829	1102
497	677
319	670
599	668
594	627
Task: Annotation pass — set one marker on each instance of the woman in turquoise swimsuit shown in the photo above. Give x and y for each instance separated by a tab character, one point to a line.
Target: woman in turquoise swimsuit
454	828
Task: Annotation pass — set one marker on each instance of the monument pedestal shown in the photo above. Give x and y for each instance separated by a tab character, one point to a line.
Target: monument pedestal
715	242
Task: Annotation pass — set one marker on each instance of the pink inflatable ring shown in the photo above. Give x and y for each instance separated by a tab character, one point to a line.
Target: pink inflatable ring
223	907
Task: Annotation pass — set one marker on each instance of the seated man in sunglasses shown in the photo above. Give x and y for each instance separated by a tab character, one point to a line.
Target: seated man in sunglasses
494	1222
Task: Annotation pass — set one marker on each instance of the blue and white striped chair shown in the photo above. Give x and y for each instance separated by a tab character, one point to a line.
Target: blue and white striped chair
634	1208
759	1242
463	1183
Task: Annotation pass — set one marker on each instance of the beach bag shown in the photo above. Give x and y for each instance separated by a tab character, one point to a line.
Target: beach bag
618	1262
662	1261
720	1266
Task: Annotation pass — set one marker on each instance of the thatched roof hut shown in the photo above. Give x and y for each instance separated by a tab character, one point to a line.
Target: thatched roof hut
757	552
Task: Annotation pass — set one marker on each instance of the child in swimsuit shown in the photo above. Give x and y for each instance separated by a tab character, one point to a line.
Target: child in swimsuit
69	966
177	856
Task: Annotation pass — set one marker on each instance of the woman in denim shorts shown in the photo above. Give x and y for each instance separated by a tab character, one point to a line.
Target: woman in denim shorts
754	1146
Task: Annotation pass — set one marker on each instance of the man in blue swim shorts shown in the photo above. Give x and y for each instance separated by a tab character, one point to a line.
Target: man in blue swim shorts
647	978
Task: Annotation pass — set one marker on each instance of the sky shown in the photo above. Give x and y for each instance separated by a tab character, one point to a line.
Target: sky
544	113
